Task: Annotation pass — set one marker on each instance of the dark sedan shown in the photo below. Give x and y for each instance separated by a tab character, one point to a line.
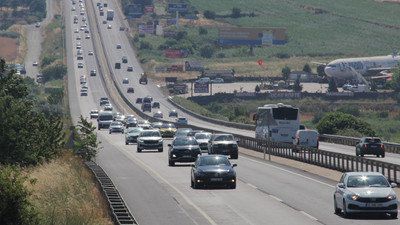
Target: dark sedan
370	145
183	149
213	170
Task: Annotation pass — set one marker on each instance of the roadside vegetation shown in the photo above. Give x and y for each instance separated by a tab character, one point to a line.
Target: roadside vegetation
311	35
21	12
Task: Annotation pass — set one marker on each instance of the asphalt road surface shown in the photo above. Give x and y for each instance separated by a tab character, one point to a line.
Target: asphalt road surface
266	193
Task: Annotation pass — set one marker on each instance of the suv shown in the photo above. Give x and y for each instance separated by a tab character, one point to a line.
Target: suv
147	99
124	59
104	101
223	144
150	139
183	149
146	107
156	105
104	119
370	145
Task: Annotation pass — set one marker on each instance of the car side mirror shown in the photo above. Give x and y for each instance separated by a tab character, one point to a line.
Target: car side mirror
193	165
340	185
393	185
234	165
169	145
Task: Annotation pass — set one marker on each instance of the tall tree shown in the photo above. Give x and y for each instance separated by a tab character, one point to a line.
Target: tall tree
86	144
285	73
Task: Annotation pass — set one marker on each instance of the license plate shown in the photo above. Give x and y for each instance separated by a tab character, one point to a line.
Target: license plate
187	156
373	205
225	151
373	146
216	179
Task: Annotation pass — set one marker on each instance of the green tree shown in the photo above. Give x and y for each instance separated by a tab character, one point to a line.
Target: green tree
207	51
236	12
203	31
86	144
349	109
285	73
297	87
307	68
332	85
395	83
146	45
321	70
334	123
15	207
208	14
257	89
54	72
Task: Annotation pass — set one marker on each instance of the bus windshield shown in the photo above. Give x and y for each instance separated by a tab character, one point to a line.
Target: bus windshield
285	113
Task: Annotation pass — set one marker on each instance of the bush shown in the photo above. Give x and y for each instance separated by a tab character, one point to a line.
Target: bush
207	51
145	45
236	12
15	206
382	114
136	38
221	55
349	109
334	123
203	31
54	72
209	14
317	117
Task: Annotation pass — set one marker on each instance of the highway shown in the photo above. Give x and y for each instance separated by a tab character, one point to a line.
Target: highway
266	193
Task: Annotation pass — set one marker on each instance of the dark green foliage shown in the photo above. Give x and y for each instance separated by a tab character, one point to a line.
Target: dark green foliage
257	89
373	86
332	85
349	109
208	14
26	137
207	51
56	96
317	116
395	83
145	45
221	55
382	114
297	86
15	207
285	73
57	71
136	38
180	35
236	12
307	68
334	123
203	31
321	70
86	144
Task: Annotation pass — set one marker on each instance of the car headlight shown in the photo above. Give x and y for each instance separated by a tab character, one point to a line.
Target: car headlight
140	140
161	140
352	197
231	172
391	197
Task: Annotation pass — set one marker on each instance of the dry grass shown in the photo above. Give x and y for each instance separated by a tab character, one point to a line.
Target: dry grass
65	192
13	50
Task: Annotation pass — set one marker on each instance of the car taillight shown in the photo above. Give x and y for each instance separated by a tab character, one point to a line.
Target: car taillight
365	145
381	145
298	137
317	138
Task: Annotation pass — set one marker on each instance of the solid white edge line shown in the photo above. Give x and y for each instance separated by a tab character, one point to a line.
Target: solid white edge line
187	199
308	215
253	186
288	171
276	198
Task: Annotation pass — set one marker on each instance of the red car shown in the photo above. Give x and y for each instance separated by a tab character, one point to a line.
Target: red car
131	90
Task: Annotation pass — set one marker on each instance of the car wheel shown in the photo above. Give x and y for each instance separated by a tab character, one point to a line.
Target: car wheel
345	213
393	215
126	143
139	150
361	154
234	156
357	154
233	186
195	185
110	132
98	128
160	150
383	155
337	210
171	163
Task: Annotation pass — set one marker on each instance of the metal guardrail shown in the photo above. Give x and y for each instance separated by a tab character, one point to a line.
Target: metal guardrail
120	212
327	159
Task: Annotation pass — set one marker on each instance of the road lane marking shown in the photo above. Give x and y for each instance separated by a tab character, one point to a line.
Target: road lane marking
288	171
276	198
253	186
308	215
148	168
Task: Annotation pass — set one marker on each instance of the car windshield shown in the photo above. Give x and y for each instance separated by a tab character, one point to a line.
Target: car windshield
143	122
150	134
360	181
115	124
224	138
183	131
137	130
202	136
372	140
156	125
186	141
168	125
214	161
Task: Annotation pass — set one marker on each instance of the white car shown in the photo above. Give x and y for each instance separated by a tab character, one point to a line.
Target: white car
35	63
90	52
368	192
181	120
80	65
218	80
94	114
84	92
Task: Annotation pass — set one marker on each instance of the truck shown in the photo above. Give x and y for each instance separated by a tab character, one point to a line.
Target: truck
110	14
143	78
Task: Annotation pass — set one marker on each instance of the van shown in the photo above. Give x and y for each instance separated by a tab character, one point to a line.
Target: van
146	107
307	138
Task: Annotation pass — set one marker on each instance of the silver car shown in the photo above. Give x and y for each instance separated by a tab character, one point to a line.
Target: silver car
368	192
116	127
132	134
149	139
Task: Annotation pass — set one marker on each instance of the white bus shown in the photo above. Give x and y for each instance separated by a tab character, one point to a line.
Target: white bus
283	121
